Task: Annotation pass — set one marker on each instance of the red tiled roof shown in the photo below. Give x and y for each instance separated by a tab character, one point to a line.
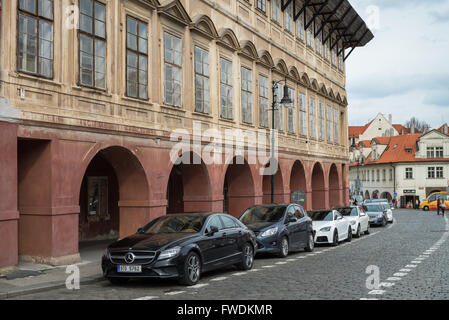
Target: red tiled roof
396	150
365	143
382	140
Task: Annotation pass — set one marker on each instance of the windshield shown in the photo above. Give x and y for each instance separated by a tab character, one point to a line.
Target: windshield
175	224
374	208
263	214
348	212
321	215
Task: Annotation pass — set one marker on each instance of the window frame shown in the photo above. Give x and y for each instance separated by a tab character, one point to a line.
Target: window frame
229	64
248	92
37	17
265	98
138	53
94	37
203	78
173	65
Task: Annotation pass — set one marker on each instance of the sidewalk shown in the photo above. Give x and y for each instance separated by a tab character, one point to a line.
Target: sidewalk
31	278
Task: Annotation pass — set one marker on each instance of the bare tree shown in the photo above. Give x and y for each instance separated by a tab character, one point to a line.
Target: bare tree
420	126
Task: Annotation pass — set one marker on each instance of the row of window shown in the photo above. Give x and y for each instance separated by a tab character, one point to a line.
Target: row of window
434	152
317	41
374	175
35	56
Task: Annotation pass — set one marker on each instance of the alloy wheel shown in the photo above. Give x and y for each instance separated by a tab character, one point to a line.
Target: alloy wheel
249	256
193	268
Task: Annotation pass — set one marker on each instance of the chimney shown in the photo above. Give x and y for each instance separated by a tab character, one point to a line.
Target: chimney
412	128
390	119
445	129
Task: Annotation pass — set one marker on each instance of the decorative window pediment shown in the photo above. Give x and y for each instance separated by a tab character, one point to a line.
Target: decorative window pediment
266	59
228	39
281	67
249	50
175	11
204	25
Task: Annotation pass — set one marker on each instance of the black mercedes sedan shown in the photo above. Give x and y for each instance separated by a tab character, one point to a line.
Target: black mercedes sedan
180	246
280	228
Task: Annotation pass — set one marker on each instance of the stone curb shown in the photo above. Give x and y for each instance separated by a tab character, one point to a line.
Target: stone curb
46	287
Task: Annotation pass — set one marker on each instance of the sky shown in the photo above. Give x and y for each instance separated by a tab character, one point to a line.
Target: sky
404	70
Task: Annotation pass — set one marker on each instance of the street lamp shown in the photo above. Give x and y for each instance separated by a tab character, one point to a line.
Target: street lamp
360	161
285	100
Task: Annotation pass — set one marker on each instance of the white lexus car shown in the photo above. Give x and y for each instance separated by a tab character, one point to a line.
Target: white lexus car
358	219
330	226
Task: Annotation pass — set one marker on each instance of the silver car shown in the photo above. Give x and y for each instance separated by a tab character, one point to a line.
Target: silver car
377	214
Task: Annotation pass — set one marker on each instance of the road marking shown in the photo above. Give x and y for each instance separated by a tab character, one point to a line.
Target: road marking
386	284
368	299
416	261
199	285
239	273
219	279
267	266
411	266
394	279
376	292
281	262
147	298
290	260
174	293
254	270
405	270
400	274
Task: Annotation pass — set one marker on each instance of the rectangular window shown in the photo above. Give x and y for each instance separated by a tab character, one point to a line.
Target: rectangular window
439	152
173	70
336	126
377	175
279	111
334	54
391	174
92	44
439	173
319	43
276	10
247	96
372	176
329	123
35	52
310	35
431	173
340	62
137	59
384	175
202	91
430	152
303	114
262	5
321	120
300	27
291	109
312	118
326	47
226	89
263	101
409	173
289	18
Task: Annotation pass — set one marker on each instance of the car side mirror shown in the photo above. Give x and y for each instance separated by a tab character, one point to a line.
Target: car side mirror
292	220
140	230
212	231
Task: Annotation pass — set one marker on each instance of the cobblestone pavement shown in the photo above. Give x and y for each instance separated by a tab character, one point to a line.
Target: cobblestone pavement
412	255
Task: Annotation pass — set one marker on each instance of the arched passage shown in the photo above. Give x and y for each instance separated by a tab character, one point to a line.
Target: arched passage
278	191
387	195
334	188
238	188
114	195
318	188
298	179
367	195
188	188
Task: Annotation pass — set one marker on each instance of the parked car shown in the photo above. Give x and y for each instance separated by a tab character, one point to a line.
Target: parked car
376	201
180	246
280	228
358	219
377	214
330	227
389	211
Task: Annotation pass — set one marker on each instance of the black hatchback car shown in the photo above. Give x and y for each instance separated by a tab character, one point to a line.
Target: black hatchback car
180	246
280	228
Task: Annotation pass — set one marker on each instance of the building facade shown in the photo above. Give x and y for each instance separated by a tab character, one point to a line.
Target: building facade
412	166
92	92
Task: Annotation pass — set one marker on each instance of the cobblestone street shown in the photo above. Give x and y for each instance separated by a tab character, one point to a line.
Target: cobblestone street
412	255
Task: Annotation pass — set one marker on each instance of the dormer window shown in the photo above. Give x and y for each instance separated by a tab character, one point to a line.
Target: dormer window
409	151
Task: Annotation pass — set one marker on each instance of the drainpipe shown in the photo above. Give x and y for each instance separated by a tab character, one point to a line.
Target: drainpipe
394	179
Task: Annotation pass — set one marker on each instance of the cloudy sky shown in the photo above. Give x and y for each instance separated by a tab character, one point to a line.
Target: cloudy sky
404	70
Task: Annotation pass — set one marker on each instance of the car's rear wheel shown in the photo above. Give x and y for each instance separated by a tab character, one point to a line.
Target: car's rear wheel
247	257
367	229
310	243
384	222
335	239
357	235
349	238
284	247
118	281
192	269
426	208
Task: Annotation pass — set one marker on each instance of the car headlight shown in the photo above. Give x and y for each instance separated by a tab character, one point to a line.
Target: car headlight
270	232
326	229
169	253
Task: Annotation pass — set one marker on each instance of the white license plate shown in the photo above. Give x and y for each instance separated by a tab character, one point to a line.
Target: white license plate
129	269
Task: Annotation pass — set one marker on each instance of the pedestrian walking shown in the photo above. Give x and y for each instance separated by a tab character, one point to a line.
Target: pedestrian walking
443	207
438	206
417	204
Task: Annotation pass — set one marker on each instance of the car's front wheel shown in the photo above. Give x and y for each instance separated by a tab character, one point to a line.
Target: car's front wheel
284	247
349	238
357	235
335	239
426	208
247	257
192	269
310	243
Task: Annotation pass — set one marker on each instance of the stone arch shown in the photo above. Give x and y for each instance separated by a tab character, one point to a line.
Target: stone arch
189	185
318	187
387	195
367	195
249	49
266	58
305	79
298	179
334	187
314	84
238	187
294	74
281	67
115	172
278	184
